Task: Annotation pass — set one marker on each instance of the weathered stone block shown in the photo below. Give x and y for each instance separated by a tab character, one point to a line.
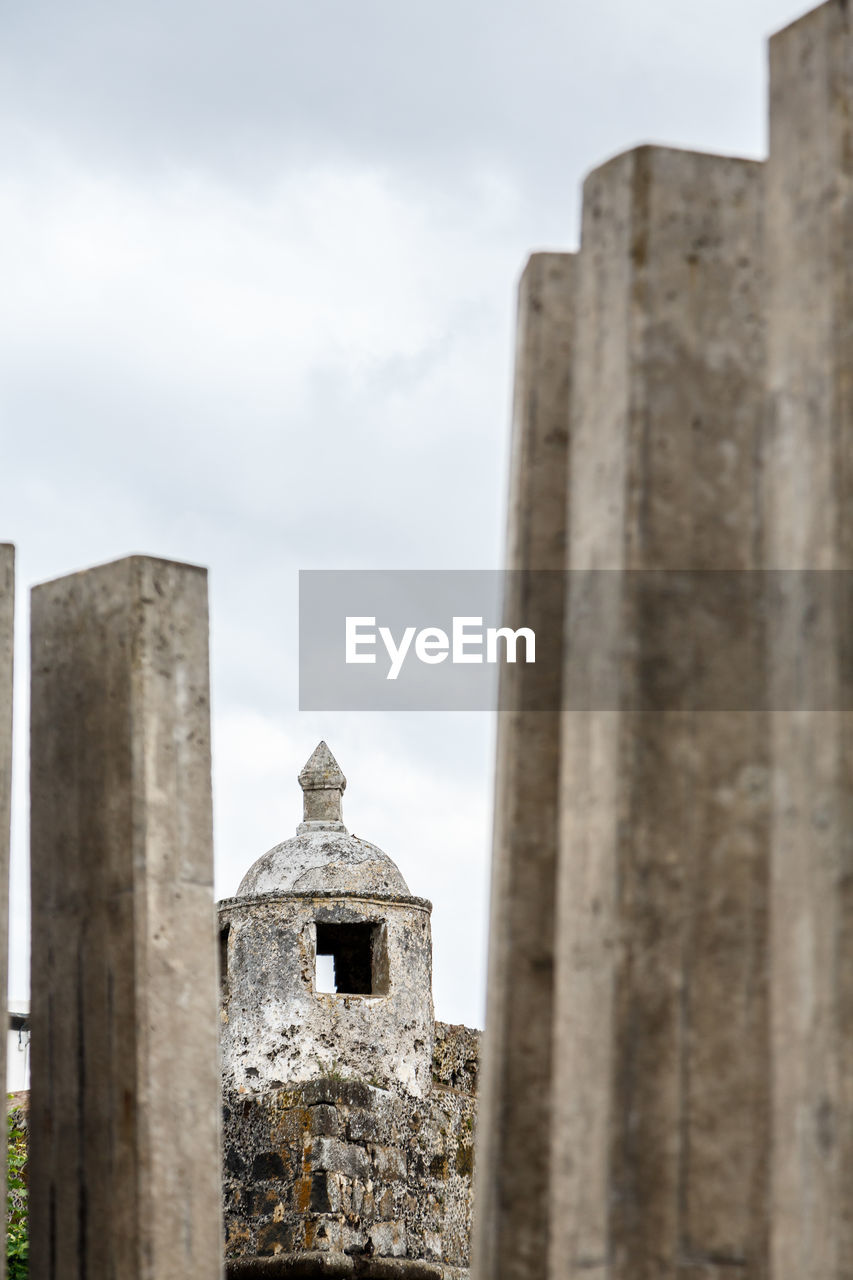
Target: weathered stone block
386	1207
456	1053
288	1126
267	1165
237	1237
324	1121
388	1239
348	1093
434	1213
280	1237
353	1239
365	1126
432	1246
325	1193
356	1198
264	1202
334	1156
389	1163
326	1235
235	1165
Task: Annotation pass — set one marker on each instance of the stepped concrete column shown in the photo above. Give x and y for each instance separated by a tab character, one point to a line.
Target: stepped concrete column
7	622
125	1169
809	526
513	1136
660	1122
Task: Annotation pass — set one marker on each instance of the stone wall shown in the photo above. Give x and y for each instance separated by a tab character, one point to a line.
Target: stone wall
277	1028
340	1167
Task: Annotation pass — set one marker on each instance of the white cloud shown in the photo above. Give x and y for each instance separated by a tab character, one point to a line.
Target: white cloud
259	266
261	383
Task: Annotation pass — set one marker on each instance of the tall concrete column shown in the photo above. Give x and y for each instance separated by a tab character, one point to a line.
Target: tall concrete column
124	1138
809	500
660	1047
513	1136
7	634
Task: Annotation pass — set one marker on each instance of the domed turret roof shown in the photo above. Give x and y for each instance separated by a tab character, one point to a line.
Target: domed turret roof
323	857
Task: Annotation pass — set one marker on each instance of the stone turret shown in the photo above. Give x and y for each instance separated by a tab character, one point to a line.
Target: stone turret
348	1114
365	1012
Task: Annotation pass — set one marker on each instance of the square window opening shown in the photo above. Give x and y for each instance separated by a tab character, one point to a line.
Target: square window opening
351	959
223	956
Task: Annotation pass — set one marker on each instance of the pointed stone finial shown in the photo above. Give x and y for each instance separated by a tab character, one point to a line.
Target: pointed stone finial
323	785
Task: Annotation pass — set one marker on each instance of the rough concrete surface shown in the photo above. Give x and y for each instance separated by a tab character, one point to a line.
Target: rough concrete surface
659	1159
124	1119
7	639
808	495
511	1223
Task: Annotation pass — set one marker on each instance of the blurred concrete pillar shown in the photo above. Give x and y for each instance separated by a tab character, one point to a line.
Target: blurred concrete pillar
659	1163
513	1136
809	501
124	1124
7	635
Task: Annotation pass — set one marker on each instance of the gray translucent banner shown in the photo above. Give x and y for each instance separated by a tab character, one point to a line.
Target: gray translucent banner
668	640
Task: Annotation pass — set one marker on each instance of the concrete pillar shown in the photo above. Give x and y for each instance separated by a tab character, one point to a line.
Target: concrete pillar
660	1047
124	1166
809	502
7	621
513	1136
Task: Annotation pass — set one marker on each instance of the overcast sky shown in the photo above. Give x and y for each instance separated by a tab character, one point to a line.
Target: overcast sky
259	265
